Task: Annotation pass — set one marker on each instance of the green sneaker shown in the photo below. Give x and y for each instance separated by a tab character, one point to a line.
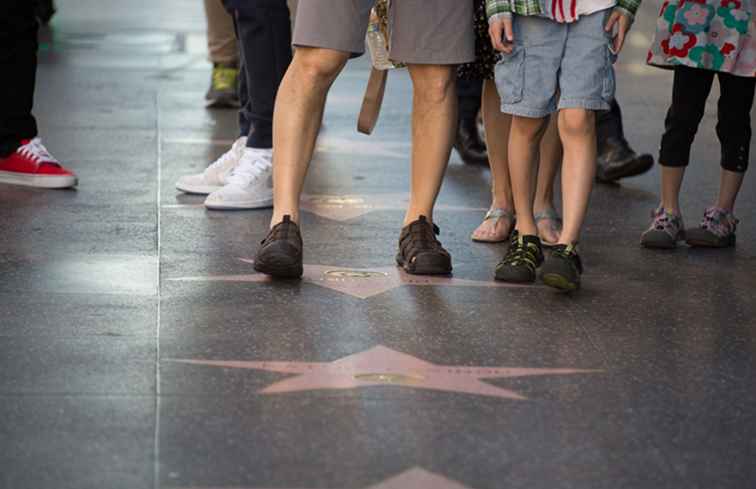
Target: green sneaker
523	257
563	268
223	91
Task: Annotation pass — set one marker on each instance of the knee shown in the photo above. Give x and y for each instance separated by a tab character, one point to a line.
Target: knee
433	84
314	67
577	123
529	128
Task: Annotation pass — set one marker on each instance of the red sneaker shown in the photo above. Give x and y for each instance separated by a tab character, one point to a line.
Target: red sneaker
32	165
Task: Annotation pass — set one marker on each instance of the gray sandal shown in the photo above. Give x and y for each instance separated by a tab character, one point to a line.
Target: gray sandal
496	215
549	214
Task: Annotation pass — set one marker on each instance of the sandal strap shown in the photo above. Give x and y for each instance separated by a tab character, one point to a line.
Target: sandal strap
499	214
548	214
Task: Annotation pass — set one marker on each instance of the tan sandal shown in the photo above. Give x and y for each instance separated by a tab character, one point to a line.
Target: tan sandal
496	215
552	215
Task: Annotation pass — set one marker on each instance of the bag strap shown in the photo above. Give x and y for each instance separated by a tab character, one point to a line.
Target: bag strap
372	101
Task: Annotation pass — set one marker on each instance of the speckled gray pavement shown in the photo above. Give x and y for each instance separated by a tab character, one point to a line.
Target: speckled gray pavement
138	349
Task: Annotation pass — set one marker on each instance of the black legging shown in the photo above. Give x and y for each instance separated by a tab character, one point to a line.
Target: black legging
689	93
18	69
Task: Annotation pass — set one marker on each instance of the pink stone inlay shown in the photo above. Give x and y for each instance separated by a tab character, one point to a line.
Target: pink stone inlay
383	366
362	283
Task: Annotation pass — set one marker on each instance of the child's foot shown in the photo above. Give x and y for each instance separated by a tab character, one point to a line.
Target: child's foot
523	257
563	268
717	229
214	176
496	227
33	166
549	225
666	230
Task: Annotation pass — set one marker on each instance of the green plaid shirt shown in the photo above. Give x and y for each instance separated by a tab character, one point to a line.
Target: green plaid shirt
502	8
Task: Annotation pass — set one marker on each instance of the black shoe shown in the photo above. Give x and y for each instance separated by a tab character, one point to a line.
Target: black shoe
563	268
223	91
468	143
420	253
44	11
523	257
280	253
618	160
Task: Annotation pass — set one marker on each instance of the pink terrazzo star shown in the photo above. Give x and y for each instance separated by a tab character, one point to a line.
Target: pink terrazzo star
383	366
362	283
414	478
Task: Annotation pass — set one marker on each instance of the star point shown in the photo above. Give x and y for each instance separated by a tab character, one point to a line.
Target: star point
382	366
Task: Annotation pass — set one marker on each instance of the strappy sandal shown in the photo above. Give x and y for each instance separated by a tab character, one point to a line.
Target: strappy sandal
496	215
549	214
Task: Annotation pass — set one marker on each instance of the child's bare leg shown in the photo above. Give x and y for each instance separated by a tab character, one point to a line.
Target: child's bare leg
672	178
729	186
577	128
524	140
548	167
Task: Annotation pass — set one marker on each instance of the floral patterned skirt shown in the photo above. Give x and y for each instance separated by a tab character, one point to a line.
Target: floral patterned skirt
718	35
486	56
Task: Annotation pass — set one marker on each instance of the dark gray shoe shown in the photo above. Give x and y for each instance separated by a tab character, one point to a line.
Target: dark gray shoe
665	232
562	270
717	230
521	261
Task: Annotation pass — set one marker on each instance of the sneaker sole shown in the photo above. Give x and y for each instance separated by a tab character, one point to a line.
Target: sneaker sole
197	189
424	270
38	181
559	282
260	204
696	243
279	267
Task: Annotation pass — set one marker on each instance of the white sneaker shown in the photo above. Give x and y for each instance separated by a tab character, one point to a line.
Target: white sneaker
250	183
215	176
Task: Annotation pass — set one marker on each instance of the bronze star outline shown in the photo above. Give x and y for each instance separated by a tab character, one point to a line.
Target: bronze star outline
362	283
382	366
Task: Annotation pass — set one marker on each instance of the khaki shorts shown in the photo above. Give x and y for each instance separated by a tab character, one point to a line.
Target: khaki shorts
420	33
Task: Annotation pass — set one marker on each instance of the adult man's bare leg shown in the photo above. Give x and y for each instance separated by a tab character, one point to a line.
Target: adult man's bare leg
296	122
434	119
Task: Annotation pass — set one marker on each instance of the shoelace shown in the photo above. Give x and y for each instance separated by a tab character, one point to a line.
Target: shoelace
37	152
224	78
228	156
520	253
248	170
